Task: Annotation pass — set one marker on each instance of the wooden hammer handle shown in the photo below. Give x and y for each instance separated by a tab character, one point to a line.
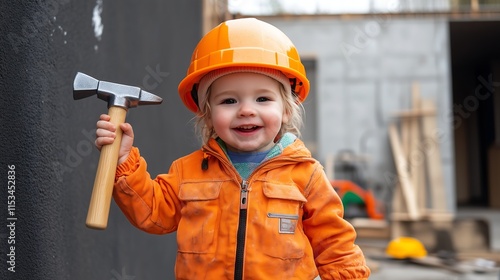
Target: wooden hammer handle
97	216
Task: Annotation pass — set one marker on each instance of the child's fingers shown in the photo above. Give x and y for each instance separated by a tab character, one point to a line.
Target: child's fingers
101	132
105	132
127	142
104	117
127	129
106	125
101	141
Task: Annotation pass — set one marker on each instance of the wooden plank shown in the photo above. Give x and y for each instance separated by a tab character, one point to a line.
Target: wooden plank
441	216
415	113
474	6
416	158
213	13
489	255
404	177
413	154
433	160
397	228
370	228
368	223
405	136
434	261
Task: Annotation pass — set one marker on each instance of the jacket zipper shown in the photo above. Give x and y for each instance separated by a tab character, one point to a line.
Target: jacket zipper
242	223
242	228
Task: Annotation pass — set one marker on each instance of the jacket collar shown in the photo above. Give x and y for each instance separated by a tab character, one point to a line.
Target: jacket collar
288	145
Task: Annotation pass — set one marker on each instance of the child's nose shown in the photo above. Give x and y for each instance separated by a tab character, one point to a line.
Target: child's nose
246	109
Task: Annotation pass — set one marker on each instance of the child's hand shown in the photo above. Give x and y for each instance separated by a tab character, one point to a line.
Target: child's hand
105	135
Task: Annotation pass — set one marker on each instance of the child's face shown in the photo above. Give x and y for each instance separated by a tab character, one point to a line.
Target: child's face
247	111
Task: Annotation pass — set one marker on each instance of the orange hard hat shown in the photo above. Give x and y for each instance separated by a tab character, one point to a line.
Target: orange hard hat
243	42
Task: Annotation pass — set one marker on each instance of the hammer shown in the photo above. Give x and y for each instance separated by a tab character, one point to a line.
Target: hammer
119	98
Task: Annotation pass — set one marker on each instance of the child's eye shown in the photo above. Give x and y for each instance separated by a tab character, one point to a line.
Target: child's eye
262	99
228	101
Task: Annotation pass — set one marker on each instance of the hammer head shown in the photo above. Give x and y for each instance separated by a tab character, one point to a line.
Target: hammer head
115	94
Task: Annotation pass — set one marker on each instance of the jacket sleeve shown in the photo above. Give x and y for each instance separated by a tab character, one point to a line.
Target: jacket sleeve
332	238
150	205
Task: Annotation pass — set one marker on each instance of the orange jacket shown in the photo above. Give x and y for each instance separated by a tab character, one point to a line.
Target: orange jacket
289	216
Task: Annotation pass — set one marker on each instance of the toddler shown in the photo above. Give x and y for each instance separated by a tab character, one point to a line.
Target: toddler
251	203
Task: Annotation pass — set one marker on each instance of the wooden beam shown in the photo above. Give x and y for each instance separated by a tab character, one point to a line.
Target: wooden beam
370	228
397	228
405	136
431	216
415	113
404	178
433	160
474	6
416	158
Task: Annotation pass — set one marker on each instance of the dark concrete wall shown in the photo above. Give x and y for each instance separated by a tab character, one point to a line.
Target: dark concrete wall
48	136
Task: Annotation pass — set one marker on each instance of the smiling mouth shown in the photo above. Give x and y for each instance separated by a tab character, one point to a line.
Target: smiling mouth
249	128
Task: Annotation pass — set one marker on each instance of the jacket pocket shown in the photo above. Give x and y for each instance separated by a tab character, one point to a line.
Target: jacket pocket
200	216
285	238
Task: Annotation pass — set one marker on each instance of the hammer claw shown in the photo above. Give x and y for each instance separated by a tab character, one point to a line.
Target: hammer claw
149	98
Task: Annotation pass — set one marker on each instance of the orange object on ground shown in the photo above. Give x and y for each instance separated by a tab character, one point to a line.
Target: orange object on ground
346	187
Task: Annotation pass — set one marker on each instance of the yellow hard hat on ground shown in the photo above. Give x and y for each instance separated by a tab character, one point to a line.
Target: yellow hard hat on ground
246	42
406	247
